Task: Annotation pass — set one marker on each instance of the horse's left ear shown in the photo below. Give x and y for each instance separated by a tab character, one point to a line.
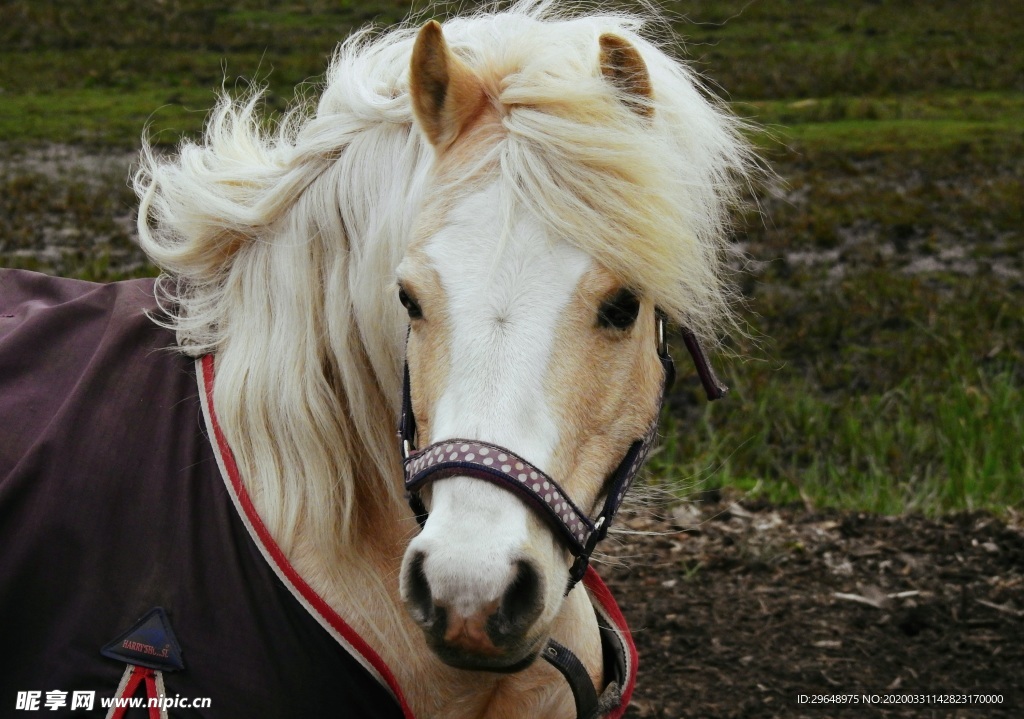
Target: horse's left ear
446	94
622	65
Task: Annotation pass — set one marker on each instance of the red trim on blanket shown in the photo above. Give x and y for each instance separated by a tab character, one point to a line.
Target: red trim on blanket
139	675
152	693
274	551
599	592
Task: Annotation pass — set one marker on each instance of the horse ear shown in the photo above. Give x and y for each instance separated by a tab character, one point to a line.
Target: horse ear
446	94
622	65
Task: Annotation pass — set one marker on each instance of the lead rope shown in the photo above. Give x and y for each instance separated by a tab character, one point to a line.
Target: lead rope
569	666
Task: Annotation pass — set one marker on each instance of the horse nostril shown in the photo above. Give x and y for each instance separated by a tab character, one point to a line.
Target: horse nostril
522	603
418	597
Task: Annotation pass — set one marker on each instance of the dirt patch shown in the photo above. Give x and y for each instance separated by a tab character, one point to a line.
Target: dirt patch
739	610
68	163
69	211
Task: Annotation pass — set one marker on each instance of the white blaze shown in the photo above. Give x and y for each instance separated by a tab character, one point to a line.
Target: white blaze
505	299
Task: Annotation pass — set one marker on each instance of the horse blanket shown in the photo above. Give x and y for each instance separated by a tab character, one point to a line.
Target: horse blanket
132	563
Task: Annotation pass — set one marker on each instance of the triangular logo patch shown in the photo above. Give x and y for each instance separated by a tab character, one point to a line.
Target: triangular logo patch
150	643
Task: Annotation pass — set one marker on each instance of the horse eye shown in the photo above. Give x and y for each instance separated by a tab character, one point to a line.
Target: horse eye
411	306
620	311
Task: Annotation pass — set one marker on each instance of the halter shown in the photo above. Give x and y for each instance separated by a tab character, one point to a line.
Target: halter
503	467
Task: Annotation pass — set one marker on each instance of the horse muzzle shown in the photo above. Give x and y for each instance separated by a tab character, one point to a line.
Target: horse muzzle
474	633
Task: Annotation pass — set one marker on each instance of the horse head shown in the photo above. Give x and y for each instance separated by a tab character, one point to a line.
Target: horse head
523	344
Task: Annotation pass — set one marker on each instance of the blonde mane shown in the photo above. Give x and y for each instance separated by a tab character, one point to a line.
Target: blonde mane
279	247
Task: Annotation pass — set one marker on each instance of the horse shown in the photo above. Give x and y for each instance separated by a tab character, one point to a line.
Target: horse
478	235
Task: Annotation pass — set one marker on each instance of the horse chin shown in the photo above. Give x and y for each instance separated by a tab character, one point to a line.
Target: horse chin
508	661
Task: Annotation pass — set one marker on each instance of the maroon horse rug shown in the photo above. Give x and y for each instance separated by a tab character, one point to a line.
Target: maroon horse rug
113	509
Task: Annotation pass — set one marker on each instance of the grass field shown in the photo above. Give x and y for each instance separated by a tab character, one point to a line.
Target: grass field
884	283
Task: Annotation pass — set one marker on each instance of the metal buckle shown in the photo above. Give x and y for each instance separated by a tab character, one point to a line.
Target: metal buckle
662	335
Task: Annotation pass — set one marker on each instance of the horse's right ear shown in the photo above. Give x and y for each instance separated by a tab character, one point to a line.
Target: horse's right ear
446	94
624	67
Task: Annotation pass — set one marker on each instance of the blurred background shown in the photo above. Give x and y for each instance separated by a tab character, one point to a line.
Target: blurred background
882	270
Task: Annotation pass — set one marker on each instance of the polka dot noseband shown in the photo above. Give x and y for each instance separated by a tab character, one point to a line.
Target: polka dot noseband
500	466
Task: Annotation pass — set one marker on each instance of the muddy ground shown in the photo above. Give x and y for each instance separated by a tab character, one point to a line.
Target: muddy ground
739	610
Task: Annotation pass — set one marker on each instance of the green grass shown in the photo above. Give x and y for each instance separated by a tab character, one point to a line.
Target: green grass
910	448
886	367
937	122
101	117
820	48
885	136
49	97
774	54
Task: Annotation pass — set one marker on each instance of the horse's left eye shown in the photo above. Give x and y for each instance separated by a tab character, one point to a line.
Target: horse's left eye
619	311
410	305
